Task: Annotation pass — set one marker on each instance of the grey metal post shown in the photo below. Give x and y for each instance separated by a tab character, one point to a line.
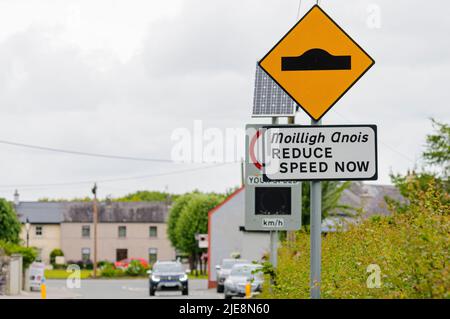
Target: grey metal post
274	234
274	248
315	230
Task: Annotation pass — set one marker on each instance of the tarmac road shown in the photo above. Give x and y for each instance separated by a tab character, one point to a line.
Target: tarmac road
126	289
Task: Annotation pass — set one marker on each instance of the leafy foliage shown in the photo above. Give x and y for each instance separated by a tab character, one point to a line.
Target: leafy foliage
135	268
193	220
109	271
57	200
147	196
174	215
28	254
438	148
412	248
437	154
55	253
9	223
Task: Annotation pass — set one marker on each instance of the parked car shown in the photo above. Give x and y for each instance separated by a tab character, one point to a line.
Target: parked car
240	276
123	264
168	275
223	270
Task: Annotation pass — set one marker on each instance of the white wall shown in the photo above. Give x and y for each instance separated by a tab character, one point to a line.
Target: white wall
226	238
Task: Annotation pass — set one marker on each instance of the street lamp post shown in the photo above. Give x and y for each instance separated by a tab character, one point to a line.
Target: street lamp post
27	228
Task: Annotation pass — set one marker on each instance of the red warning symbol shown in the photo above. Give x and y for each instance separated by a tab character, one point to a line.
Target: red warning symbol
253	143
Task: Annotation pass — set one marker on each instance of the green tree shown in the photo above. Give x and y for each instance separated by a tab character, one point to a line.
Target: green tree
147	196
58	200
9	223
437	151
436	155
174	214
193	220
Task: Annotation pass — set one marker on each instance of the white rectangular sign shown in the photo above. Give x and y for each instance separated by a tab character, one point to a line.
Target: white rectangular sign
330	152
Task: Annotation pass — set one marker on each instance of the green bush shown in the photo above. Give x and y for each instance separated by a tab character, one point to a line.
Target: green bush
109	271
104	263
55	253
28	254
412	249
135	268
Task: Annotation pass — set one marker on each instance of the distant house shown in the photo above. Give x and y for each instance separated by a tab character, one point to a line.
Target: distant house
125	229
365	199
45	225
226	225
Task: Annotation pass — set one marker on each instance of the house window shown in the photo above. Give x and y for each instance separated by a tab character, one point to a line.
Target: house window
153	231
85	231
85	254
152	255
39	230
39	255
122	231
121	254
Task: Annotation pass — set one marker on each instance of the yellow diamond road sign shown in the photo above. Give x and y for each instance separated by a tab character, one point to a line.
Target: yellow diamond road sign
316	63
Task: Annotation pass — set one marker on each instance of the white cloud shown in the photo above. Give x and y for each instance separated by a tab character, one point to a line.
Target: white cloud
117	77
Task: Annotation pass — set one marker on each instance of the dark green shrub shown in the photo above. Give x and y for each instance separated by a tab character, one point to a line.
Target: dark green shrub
103	263
88	264
55	253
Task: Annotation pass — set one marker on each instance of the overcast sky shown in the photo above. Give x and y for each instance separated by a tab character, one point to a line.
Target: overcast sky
117	77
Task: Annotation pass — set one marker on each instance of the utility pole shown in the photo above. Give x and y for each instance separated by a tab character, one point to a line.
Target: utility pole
315	233
95	219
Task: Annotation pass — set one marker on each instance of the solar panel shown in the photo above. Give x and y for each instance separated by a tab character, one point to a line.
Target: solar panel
269	99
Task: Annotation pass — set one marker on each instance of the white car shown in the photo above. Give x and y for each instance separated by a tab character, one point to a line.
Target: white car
223	271
240	276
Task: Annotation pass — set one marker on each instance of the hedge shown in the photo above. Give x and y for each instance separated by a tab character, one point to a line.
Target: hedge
411	248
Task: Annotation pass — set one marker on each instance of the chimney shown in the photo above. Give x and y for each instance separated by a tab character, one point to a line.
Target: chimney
16	198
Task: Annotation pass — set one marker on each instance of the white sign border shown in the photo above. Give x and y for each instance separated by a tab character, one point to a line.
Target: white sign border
373	178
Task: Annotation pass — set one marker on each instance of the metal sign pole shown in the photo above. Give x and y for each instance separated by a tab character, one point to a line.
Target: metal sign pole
274	234
315	230
274	248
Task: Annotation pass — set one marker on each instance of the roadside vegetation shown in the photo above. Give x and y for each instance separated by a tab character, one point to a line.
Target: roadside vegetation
188	217
63	274
410	249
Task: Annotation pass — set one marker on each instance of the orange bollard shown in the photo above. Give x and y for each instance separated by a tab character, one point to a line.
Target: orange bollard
43	289
248	290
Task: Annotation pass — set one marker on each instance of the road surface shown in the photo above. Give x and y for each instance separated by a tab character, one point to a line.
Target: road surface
126	289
